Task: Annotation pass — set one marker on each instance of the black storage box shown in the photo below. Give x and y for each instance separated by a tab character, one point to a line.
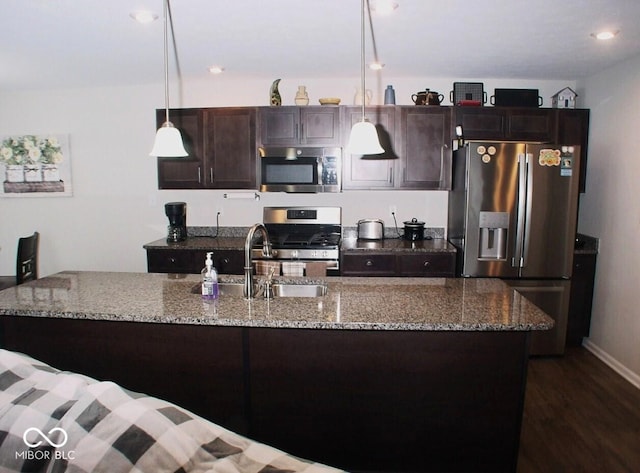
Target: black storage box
516	98
464	93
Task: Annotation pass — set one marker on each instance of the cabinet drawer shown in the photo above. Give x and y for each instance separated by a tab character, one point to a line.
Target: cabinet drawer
426	265
174	261
192	261
368	265
228	261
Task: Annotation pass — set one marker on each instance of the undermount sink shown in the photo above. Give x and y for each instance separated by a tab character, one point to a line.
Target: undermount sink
299	290
279	290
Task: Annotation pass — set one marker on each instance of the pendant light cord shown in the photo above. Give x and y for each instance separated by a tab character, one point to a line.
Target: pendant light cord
166	61
362	81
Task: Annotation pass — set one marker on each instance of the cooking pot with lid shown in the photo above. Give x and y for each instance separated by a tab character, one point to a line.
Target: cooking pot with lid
370	229
413	230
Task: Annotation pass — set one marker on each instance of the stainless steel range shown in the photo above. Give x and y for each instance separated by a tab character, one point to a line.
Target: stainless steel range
303	235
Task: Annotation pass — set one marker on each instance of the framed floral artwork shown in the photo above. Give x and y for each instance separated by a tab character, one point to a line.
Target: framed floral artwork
35	166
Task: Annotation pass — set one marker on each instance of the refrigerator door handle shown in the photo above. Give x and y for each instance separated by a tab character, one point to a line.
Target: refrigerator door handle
527	233
517	259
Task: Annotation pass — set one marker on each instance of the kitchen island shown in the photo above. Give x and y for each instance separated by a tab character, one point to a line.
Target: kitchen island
395	374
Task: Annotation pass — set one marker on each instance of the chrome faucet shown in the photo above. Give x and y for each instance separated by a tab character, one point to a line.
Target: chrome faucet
249	286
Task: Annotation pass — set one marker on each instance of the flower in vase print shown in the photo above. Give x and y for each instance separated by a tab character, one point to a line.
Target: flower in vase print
31	149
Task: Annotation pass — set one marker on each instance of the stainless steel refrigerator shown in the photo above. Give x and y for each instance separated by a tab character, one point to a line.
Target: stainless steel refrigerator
512	215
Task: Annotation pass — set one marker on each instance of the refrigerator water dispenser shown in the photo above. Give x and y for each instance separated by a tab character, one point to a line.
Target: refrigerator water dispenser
493	228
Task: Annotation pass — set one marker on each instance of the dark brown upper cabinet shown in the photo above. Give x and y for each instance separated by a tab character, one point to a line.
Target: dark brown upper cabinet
221	143
425	147
300	126
183	173
374	171
506	123
573	128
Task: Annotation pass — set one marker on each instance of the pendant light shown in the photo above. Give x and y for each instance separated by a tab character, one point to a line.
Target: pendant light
364	136
168	142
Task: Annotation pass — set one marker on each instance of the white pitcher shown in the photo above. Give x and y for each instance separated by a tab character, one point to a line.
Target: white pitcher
357	99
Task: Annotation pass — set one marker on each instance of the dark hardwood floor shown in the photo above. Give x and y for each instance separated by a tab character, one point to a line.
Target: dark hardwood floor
579	416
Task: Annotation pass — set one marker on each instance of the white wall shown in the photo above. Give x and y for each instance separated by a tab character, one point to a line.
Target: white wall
610	210
116	206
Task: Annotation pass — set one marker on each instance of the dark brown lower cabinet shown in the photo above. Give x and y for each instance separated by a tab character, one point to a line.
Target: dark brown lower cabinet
192	261
375	401
582	285
409	264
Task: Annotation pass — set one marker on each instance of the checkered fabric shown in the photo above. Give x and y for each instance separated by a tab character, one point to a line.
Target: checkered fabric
53	421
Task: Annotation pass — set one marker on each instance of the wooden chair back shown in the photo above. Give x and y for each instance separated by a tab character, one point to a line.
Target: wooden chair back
27	260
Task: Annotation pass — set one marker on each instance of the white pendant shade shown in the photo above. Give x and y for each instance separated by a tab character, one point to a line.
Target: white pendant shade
168	143
364	139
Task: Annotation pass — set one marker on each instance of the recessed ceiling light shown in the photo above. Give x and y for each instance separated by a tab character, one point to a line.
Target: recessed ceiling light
143	16
604	35
376	66
383	7
216	69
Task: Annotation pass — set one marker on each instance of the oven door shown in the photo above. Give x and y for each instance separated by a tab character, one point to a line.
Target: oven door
302	174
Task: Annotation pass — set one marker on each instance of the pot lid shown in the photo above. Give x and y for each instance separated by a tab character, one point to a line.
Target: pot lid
413	223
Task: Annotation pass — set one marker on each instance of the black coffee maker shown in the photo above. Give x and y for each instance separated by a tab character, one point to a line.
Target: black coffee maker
177	214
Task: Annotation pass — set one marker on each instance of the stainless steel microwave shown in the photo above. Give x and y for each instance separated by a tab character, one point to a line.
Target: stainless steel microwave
300	169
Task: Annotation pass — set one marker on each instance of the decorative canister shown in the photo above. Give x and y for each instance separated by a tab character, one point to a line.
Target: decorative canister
32	173
50	172
302	98
360	96
15	173
389	96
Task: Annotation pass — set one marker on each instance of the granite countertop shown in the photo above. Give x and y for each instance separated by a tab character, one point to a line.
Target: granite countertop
435	245
434	304
586	244
199	243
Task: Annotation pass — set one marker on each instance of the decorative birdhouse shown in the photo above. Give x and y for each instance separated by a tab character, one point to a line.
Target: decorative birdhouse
565	98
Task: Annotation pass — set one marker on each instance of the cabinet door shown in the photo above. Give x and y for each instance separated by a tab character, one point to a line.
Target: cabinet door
530	124
573	128
480	123
368	265
279	126
230	144
183	173
320	126
425	144
297	126
370	171
427	265
506	123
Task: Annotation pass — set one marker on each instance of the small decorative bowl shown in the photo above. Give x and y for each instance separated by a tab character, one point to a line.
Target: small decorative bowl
329	101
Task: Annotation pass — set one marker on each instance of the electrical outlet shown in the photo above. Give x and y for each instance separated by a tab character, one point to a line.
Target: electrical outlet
393	210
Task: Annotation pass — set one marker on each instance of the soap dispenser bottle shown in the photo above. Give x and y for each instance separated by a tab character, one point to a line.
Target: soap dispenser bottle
209	280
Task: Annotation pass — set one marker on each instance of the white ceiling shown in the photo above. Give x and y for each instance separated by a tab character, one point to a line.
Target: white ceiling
72	43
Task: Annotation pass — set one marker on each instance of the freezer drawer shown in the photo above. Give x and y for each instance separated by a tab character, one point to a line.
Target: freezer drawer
552	296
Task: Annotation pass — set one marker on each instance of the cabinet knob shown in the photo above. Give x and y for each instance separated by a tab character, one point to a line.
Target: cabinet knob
172	260
427	264
368	263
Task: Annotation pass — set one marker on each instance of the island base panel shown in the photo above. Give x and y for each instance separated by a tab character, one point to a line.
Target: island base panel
196	367
390	401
